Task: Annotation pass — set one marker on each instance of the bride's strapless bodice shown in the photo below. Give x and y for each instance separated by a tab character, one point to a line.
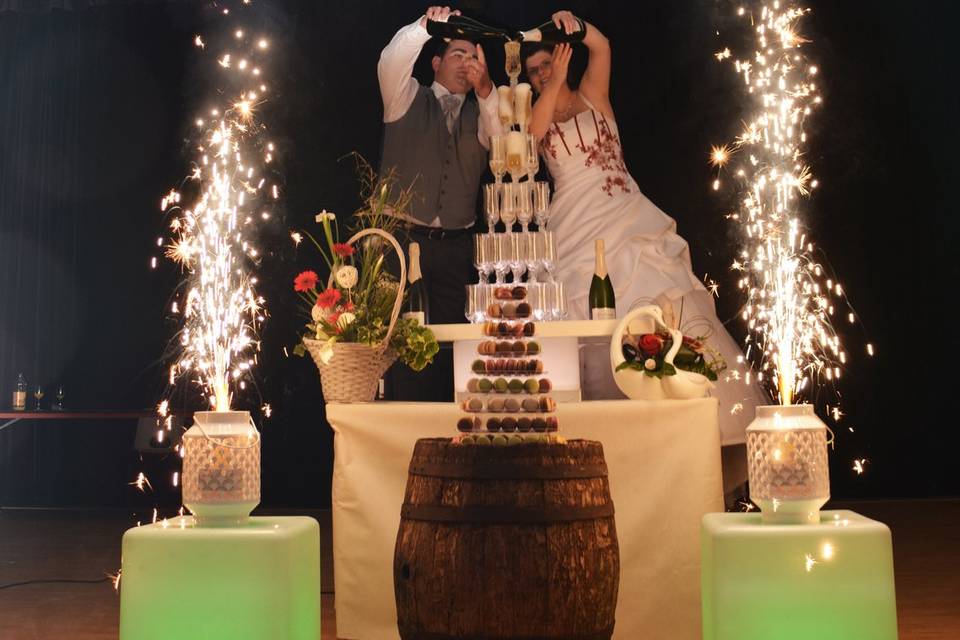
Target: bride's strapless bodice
585	152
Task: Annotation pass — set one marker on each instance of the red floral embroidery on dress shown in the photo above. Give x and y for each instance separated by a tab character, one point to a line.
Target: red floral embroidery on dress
547	144
607	154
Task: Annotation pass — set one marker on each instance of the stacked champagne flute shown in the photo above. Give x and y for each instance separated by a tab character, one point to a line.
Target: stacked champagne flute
530	257
509	401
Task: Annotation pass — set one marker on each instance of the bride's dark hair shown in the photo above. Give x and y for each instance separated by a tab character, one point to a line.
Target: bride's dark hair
530	48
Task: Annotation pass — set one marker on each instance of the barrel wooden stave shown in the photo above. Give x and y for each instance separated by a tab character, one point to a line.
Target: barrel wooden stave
508	580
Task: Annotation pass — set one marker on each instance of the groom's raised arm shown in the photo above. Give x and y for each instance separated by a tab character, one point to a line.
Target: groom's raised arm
398	87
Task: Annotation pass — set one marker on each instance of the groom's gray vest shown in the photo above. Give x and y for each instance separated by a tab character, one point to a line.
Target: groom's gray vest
444	168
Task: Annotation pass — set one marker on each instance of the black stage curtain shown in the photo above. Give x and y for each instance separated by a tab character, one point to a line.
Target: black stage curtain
96	101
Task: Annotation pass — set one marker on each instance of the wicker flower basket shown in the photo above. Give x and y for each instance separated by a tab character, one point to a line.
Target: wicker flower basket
353	372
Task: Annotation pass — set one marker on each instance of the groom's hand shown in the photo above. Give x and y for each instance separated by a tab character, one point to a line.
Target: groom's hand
478	74
437	14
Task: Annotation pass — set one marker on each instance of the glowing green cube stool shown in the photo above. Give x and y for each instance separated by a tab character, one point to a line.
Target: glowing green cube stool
256	581
823	581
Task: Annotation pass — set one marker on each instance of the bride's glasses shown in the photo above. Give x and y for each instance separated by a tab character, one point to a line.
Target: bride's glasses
533	72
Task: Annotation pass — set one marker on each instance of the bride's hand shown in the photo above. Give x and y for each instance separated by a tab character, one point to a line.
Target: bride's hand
566	22
559	65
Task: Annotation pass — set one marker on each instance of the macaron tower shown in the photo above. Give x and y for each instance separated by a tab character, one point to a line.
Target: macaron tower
509	401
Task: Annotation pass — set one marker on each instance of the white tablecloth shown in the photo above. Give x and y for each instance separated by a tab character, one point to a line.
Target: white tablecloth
664	468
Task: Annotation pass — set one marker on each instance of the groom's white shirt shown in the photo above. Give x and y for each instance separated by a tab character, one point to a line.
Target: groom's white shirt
398	87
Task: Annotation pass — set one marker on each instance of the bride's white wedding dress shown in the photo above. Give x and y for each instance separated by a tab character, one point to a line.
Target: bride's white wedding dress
595	197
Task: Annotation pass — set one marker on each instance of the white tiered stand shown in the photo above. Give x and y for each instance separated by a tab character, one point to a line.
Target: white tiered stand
559	342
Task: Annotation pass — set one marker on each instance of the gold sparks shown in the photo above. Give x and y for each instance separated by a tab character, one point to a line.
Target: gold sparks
719	155
789	300
809	562
858	465
141	482
212	238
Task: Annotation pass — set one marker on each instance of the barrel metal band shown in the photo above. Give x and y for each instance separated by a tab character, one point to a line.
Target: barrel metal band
504	515
501	471
407	634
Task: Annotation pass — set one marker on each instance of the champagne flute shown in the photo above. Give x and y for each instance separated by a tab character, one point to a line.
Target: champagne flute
38	396
515	154
500	255
518	259
548	253
505	106
532	157
491	204
522	105
541	203
536	298
511	52
560	300
476	306
531	255
524	205
60	397
481	261
498	157
508	205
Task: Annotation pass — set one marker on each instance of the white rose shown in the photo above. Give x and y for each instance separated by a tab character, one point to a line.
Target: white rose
325	215
316	313
345	319
347	276
650	364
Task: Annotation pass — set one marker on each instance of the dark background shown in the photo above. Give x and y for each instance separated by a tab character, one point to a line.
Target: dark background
96	99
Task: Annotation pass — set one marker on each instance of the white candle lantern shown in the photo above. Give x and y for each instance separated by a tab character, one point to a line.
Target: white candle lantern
221	468
787	464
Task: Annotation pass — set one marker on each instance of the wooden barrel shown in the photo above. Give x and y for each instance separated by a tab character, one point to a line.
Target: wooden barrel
506	542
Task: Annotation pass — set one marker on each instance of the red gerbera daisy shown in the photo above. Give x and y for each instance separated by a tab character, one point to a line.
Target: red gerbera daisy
328	298
343	249
306	281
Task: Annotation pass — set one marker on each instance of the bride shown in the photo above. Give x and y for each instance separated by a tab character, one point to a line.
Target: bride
596	197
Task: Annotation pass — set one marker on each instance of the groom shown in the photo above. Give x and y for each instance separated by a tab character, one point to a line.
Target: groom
436	140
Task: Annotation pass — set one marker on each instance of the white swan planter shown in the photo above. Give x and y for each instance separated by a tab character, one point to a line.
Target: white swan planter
636	385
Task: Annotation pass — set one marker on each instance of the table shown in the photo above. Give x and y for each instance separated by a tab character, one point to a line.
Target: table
8	418
664	468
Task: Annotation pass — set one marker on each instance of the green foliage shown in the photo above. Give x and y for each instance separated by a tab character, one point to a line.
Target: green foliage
362	310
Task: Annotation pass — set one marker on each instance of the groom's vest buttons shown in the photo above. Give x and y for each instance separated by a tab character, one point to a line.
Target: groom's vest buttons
420	149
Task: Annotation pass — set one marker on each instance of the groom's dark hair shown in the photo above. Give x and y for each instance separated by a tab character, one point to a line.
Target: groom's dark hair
441	45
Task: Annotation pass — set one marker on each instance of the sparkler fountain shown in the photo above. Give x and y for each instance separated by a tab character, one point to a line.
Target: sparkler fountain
225	574
789	305
763	576
212	240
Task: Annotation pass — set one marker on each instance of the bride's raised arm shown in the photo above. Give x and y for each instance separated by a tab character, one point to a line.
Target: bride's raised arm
595	84
546	104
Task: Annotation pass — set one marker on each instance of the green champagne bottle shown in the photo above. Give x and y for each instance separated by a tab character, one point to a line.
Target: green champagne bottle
415	306
603	303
